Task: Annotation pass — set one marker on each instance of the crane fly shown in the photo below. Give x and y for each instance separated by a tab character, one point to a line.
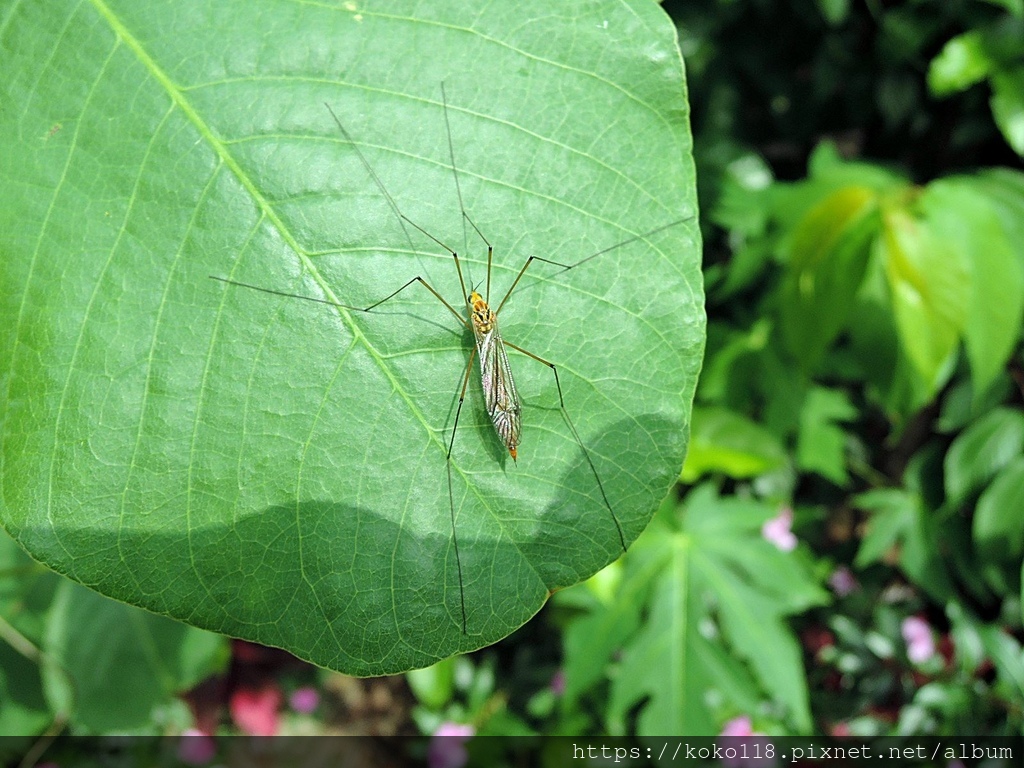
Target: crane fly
501	399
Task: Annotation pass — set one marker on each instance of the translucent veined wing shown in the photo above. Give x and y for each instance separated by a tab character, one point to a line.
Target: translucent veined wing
500	396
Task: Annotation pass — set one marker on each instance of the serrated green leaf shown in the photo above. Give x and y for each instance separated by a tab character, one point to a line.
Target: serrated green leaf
727	442
591	641
789	587
275	469
613	600
707	516
728	678
719	523
668	642
753	625
712	577
962	62
821	445
892	509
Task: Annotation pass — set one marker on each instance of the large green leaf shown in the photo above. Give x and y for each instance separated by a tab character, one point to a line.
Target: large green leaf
275	469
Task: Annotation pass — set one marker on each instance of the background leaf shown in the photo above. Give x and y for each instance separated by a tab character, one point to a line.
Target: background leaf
965	220
930	288
998	529
724	441
26	590
996	523
828	253
720	585
981	450
274	469
962	62
122	662
899	521
821	443
1008	106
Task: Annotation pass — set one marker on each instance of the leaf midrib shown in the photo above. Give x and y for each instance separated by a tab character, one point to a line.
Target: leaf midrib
177	96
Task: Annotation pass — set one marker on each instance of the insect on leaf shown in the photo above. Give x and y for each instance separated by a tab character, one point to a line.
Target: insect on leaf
275	469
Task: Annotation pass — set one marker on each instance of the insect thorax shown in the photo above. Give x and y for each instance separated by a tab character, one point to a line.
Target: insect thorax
482	315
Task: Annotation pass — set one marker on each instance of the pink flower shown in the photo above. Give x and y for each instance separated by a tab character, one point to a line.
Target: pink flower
738	726
843	582
741	746
918	637
255	711
558	683
305	699
196	747
777	530
447	746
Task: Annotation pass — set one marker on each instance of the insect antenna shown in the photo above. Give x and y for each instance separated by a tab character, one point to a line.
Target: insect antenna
458	191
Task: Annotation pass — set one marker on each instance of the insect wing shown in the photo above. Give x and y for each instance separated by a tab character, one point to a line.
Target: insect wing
500	396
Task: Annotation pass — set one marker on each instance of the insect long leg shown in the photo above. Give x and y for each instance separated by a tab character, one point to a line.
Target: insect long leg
329	303
458	411
576	435
451	495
